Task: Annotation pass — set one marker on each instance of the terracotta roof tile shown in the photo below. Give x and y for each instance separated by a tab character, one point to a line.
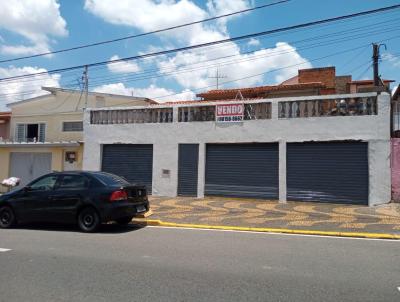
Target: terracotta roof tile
211	101
261	89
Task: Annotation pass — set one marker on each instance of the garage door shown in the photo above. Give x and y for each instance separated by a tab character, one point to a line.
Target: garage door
188	160
242	170
328	172
29	166
133	162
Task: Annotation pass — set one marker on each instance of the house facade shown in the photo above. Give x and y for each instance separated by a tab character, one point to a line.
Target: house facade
45	133
304	140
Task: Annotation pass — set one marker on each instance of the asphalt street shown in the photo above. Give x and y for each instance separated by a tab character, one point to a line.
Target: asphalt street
162	264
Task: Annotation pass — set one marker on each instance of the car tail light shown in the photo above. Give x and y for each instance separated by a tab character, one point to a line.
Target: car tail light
119	195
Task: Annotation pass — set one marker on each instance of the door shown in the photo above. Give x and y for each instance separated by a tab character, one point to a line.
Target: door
243	170
28	166
66	197
32	203
188	160
133	162
328	172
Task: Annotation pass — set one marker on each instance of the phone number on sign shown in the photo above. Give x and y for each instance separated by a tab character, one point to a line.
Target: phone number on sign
230	119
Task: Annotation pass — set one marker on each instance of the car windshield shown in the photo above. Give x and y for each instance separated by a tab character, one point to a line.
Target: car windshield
111	179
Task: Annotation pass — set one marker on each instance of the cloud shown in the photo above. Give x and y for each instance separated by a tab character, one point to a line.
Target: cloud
240	66
253	42
223	7
122	67
36	21
152	92
13	91
150	15
194	69
394	60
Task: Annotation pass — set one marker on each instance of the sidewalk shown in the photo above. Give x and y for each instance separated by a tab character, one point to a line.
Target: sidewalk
291	217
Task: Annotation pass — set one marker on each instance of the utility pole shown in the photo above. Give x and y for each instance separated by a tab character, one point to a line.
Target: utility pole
217	77
375	63
85	79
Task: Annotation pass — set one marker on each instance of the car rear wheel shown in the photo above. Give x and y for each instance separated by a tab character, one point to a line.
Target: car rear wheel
88	220
124	220
7	217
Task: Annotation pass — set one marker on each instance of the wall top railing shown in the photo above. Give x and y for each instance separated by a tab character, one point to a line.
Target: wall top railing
329	107
255	109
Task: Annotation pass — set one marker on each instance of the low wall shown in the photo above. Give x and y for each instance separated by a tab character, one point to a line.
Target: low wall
395	161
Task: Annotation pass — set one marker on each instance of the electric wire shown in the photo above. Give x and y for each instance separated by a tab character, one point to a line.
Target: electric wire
252	35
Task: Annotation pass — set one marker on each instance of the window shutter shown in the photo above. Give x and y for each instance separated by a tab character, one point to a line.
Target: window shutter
73	126
42	133
20	134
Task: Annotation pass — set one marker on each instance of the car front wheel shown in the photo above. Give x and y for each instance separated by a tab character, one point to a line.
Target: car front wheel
7	217
88	220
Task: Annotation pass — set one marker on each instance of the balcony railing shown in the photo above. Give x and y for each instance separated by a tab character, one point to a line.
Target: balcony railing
132	116
257	111
253	110
328	107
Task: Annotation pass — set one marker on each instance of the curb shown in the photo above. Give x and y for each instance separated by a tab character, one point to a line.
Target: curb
154	222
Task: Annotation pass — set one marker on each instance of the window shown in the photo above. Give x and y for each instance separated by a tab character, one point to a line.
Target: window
30	132
110	179
44	184
72	126
76	182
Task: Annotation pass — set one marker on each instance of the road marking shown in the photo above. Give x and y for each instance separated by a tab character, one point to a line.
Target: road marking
270	233
4	250
398	288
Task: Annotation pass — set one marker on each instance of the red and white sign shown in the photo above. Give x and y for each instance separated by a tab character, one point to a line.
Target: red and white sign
228	113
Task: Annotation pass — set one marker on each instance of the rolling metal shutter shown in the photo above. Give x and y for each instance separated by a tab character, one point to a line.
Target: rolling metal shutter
187	169
328	172
133	162
242	170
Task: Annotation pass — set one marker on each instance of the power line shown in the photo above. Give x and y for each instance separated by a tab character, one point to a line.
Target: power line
314	38
185	70
263	73
164	72
146	33
282	29
255	75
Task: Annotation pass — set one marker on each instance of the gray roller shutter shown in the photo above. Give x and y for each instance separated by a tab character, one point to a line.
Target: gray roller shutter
242	170
133	162
188	169
328	172
29	166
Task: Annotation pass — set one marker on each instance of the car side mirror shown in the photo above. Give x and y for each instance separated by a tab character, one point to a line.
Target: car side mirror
27	189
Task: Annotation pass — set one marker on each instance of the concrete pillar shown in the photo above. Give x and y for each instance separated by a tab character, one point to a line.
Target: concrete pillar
201	170
274	111
379	172
175	114
282	172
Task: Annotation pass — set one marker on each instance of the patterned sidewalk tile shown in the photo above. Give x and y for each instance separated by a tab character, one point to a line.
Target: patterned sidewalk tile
271	214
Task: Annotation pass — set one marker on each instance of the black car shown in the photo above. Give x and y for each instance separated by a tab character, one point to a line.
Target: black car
86	198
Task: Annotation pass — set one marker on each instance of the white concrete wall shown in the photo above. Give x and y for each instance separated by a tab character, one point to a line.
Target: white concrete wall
166	137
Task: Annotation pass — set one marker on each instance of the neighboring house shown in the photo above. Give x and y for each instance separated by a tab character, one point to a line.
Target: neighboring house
46	132
395	130
311	138
4	125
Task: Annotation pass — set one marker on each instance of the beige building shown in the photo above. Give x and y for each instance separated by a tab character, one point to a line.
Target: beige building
46	132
